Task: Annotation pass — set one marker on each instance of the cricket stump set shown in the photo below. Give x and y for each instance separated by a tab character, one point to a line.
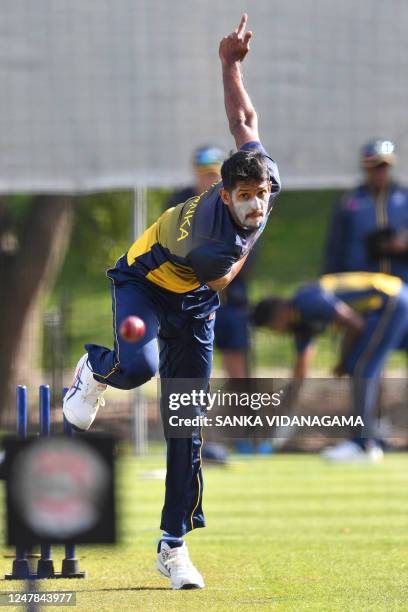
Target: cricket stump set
45	567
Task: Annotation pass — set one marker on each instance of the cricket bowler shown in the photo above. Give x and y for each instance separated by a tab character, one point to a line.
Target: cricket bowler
170	277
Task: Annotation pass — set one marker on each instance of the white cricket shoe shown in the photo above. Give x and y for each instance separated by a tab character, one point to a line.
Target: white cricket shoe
83	398
351	451
175	563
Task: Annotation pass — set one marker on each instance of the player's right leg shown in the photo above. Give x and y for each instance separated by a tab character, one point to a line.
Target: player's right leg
128	366
185	360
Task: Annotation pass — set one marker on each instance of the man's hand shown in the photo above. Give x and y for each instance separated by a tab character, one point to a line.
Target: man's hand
235	46
386	242
348	319
241	115
396	245
340	370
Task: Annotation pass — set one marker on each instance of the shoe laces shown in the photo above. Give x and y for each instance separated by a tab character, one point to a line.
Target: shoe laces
95	395
178	559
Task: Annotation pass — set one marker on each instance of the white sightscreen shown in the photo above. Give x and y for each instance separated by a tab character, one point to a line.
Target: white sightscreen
116	93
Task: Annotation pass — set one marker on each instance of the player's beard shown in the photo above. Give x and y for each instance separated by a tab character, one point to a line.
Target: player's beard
243	209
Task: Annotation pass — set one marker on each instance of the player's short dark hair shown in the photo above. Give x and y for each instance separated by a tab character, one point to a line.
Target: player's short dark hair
244	166
267	310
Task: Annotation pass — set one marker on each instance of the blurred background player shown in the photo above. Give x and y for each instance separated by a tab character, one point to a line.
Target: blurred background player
369	224
368	230
206	165
372	311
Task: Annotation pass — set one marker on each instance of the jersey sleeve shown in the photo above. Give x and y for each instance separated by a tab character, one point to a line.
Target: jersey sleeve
273	168
210	263
315	304
316	308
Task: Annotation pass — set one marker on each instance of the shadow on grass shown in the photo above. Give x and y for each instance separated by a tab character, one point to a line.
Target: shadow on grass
141	588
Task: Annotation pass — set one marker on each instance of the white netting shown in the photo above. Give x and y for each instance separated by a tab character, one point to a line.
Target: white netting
115	93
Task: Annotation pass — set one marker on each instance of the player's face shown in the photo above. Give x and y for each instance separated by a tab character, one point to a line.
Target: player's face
379	176
280	323
282	319
249	203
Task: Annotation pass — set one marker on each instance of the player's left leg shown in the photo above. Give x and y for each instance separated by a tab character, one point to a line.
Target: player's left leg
185	353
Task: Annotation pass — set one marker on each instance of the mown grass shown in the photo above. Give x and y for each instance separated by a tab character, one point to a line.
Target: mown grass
285	533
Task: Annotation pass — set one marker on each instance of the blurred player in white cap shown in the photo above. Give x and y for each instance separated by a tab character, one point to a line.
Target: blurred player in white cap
369	225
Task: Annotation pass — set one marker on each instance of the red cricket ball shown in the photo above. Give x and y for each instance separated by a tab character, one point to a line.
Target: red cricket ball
132	329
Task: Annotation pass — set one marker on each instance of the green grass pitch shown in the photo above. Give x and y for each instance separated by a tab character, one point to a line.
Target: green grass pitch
286	532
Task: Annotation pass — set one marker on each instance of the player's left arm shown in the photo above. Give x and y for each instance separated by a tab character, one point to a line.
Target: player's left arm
224	281
241	114
303	362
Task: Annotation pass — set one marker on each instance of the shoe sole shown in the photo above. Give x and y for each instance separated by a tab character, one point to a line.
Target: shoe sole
75	428
185	587
162	569
72	426
68	414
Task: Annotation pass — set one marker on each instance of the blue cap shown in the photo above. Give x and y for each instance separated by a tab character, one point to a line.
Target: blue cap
209	156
